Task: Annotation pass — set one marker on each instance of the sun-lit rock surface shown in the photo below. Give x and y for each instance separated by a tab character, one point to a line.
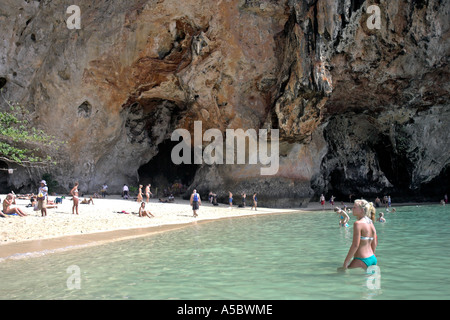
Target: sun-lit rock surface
359	110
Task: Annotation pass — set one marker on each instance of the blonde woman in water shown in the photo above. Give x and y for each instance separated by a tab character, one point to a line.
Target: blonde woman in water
365	241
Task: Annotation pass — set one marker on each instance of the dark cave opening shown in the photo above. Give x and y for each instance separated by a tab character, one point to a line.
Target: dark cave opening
4	185
394	165
163	174
338	188
436	188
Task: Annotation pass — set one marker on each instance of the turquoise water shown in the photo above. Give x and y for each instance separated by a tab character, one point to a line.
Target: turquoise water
289	256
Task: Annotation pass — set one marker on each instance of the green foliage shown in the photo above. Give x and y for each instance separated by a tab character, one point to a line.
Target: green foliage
20	142
133	190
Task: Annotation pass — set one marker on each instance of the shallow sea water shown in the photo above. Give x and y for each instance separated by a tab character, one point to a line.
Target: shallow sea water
274	257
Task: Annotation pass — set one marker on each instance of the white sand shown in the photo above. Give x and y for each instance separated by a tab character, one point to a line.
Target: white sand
103	216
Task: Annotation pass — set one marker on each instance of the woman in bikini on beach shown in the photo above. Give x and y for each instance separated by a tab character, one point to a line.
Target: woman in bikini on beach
147	192
7	207
143	212
139	196
74	193
365	241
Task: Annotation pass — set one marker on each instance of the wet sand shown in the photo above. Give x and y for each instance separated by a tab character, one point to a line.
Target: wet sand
107	220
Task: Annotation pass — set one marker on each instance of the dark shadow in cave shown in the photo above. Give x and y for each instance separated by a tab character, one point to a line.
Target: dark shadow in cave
162	173
4	186
436	188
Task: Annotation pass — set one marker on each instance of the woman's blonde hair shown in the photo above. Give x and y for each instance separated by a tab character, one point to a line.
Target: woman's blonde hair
369	209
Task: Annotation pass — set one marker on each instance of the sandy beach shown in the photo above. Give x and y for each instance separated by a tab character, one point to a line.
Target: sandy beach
109	219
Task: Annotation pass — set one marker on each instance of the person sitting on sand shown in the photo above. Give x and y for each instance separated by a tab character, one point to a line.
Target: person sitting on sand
7	207
86	201
143	212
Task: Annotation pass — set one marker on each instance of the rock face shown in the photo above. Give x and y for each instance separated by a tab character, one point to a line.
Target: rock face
360	110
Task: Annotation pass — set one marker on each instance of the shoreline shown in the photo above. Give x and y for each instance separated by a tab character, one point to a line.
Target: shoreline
101	223
60	230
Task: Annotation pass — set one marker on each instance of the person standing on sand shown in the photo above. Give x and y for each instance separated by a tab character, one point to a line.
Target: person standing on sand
139	196
104	189
230	199
195	202
322	200
332	200
255	201
42	198
74	194
147	192
365	241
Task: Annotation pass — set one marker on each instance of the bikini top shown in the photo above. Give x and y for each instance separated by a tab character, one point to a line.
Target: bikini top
368	221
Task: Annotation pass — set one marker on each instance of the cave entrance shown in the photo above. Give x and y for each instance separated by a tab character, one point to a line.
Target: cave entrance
165	176
4	176
435	189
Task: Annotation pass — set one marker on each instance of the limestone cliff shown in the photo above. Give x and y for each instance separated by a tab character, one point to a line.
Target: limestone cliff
359	110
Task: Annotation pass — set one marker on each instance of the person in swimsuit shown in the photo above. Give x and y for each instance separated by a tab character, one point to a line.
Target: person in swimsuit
143	212
139	196
255	201
147	192
74	193
230	199
365	239
343	217
322	200
7	207
86	201
195	201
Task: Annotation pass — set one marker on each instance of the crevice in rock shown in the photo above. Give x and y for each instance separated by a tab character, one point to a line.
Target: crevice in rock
356	5
3	82
85	110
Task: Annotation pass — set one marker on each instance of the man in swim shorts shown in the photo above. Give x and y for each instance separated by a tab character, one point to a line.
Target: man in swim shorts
195	202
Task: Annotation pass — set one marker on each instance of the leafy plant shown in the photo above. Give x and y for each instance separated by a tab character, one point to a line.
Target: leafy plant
21	143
